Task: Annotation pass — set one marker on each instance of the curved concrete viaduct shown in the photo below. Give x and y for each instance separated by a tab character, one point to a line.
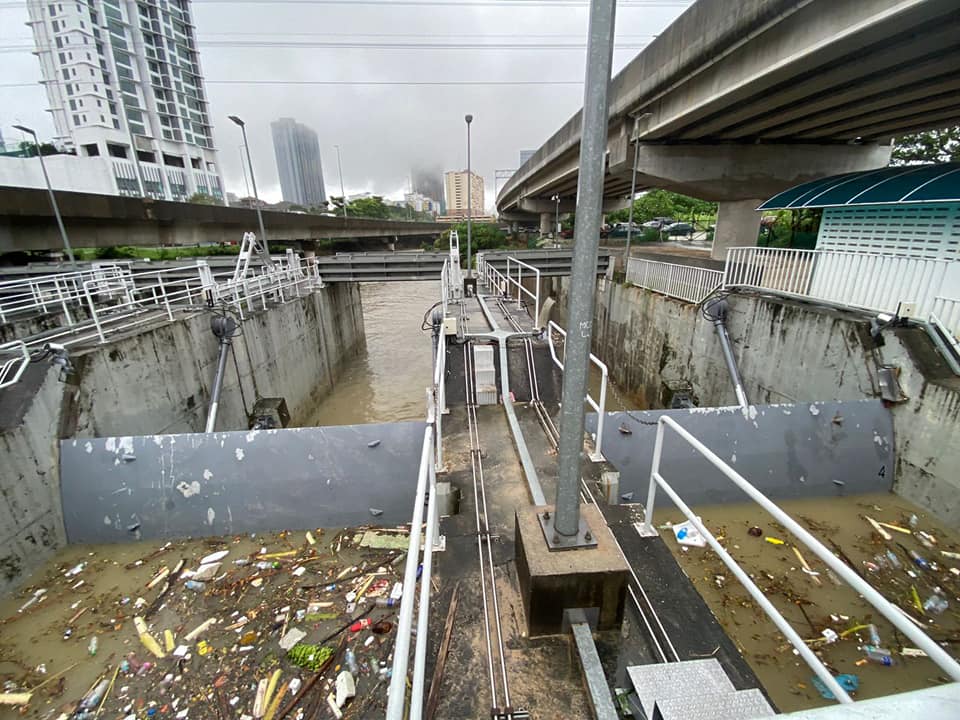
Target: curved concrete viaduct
737	101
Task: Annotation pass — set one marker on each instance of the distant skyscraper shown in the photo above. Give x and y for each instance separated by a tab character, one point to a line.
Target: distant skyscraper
456	182
298	162
119	73
526	155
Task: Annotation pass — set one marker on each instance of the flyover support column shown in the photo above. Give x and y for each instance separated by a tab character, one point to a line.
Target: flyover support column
546	223
738	225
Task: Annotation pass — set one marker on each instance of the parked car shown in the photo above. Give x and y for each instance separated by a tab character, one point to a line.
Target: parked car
679	228
659	223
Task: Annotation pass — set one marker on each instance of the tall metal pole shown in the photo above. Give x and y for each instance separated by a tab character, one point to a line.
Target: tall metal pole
593	147
343	195
469	119
53	197
246	183
557	215
633	192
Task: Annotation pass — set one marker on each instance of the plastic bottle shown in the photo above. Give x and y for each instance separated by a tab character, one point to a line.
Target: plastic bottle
918	560
874	635
914	521
93	699
877	655
935	604
385	602
351	660
195	585
894	560
92	647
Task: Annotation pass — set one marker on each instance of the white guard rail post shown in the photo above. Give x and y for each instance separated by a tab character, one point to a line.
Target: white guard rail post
891	612
947	312
599	408
521	290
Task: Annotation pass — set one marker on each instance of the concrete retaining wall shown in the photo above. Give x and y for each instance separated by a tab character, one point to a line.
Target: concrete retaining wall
158	381
787	353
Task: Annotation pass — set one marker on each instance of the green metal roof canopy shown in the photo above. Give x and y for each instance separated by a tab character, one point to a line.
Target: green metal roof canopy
886	186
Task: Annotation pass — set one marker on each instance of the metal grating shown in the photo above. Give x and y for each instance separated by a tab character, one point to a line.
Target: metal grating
741	705
653	683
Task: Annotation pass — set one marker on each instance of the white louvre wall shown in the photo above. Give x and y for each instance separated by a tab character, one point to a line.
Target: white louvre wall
897	232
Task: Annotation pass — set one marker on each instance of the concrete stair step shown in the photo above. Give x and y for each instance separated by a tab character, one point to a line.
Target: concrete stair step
680	679
737	705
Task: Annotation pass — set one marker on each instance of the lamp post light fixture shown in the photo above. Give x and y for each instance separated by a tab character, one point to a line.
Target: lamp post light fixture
53	198
253	182
469	119
343	195
556	198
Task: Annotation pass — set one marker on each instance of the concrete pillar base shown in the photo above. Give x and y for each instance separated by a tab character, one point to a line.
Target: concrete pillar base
738	225
554	581
546	224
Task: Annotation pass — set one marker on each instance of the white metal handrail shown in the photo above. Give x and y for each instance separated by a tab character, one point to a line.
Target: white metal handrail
871	282
684	282
890	611
63	291
12	368
521	290
599	408
431	461
947	312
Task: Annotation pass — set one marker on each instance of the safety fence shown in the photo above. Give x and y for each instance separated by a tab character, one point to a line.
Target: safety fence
508	285
14	358
947	312
599	407
684	282
431	460
104	302
850	280
891	612
61	292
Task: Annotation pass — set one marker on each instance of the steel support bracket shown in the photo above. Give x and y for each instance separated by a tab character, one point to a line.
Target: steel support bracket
555	541
645	530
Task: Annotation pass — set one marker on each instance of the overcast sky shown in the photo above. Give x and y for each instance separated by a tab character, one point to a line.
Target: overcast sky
383	131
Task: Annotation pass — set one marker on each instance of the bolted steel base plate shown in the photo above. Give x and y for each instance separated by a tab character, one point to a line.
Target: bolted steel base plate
555	541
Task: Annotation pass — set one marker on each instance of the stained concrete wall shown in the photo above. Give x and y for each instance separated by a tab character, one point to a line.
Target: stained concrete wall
158	381
787	352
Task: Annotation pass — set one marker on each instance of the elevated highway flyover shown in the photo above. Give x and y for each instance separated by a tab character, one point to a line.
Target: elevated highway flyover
27	223
735	102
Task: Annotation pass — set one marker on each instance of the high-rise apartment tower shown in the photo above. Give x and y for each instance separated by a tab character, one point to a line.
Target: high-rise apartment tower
298	162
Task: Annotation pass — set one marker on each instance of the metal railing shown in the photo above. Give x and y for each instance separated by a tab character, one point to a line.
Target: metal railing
17	358
599	407
947	312
60	292
504	283
890	611
849	280
431	460
119	301
684	282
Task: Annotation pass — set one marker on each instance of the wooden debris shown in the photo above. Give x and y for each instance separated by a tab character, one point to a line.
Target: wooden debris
433	698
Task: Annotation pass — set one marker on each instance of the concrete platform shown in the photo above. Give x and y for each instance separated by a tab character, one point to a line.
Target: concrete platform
552	581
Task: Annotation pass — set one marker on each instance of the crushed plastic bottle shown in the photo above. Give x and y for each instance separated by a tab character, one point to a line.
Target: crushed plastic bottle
350	658
878	655
935	604
195	585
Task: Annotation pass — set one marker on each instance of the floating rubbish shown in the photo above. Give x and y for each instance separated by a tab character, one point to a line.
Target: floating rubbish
310	657
876	526
625	429
774	541
149	642
913	652
850	683
207	571
687	534
214	557
874	635
918	560
376	512
381	628
896	528
935	604
310	539
133	527
806	566
755	532
15	698
830	636
952	555
33	600
346	688
92	647
195	585
894	560
361	624
627	497
373	443
199	630
293	636
350	658
880	656
914	521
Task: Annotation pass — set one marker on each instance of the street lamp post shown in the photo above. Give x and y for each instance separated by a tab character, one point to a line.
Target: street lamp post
253	181
53	198
343	195
557	214
469	119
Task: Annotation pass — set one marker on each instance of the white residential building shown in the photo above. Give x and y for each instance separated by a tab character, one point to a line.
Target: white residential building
124	85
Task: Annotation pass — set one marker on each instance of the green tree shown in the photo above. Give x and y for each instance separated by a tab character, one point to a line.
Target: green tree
663	203
29	149
483	236
200	198
941	145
